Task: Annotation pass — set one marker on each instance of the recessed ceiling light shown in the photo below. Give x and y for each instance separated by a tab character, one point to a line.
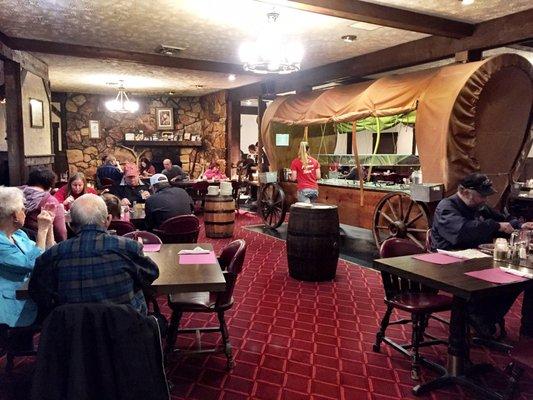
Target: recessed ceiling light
232	77
349	38
365	26
199	86
171	93
467	2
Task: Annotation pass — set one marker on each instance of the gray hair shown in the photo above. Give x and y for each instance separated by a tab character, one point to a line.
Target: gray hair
11	201
88	209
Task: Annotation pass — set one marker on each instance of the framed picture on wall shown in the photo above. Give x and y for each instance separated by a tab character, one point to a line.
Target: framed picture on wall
165	118
36	113
186	136
94	129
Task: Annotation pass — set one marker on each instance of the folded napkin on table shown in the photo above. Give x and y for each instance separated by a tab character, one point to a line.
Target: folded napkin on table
196	250
517	272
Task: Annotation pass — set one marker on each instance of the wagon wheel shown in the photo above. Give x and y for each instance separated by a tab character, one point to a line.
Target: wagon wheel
271	205
397	215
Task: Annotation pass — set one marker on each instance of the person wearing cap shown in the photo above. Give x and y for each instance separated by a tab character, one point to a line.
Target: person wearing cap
165	202
131	189
464	221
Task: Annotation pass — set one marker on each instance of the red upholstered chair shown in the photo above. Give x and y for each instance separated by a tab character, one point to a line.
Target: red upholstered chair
233	258
413	298
17	342
146	237
198	193
180	229
122	227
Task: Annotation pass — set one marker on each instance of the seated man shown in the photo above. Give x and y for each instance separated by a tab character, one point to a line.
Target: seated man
173	172
131	190
110	169
463	221
166	202
93	266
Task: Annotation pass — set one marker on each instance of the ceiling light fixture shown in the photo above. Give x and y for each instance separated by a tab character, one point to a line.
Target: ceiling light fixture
199	86
3	101
349	38
467	2
271	53
232	77
122	104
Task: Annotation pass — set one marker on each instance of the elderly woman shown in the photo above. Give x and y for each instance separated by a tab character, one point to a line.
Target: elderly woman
214	172
37	197
76	187
18	254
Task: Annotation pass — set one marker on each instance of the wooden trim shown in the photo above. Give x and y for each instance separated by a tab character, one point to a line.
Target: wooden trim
14	124
75	50
233	134
385	16
261	112
162	143
498	32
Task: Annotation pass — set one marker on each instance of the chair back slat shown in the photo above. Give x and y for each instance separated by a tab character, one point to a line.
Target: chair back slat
394	285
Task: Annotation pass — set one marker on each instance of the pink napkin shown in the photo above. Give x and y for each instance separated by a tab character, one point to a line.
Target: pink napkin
495	275
151	248
437	258
208	258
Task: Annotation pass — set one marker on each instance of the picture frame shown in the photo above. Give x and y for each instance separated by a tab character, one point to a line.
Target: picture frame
94	129
167	135
186	136
36	113
130	136
164	118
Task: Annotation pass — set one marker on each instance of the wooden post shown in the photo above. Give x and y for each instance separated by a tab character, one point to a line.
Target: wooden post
14	124
233	134
306	133
355	151
261	107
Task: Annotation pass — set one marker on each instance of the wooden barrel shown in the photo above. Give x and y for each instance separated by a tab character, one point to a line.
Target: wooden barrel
219	216
313	242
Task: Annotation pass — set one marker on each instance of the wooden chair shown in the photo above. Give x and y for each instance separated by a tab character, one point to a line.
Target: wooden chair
231	261
413	298
17	342
180	229
145	236
122	227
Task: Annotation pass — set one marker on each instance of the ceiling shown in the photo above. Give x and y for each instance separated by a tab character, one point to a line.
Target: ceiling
207	29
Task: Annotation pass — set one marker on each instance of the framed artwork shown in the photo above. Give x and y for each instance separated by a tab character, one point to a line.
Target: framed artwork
36	113
186	136
165	118
129	136
94	129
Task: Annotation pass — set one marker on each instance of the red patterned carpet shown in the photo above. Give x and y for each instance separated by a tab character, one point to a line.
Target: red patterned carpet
295	340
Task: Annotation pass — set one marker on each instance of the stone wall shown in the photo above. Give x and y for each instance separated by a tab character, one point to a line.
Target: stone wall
204	115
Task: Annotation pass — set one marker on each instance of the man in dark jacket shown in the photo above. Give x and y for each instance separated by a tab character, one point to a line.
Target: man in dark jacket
166	202
131	190
463	221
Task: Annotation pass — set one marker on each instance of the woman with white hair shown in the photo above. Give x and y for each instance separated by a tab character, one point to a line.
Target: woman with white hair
18	254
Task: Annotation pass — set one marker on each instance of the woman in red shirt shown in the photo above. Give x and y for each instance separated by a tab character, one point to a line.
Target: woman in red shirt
76	186
305	170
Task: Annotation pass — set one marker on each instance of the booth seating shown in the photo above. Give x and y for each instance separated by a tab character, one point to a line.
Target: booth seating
231	261
411	297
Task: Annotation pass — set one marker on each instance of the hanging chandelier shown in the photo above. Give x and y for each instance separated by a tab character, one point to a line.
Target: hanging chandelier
270	53
122	104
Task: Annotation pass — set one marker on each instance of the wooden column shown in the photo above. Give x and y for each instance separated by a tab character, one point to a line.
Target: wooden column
14	124
233	134
261	107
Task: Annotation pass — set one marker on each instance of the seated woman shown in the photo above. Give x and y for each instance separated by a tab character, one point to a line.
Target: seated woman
146	168
214	172
76	187
37	197
18	254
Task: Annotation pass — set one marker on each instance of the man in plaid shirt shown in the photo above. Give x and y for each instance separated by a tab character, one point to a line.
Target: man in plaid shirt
93	266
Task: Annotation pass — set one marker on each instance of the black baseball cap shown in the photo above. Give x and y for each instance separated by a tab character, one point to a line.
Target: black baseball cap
478	182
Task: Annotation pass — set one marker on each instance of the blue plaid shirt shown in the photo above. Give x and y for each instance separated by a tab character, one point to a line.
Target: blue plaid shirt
92	267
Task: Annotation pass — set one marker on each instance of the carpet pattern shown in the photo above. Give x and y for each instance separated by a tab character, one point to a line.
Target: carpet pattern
298	340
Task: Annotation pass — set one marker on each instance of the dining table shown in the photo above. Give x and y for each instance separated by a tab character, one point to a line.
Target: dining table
175	276
452	278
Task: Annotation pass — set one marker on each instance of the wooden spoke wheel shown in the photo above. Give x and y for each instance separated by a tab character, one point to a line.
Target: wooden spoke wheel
271	205
397	215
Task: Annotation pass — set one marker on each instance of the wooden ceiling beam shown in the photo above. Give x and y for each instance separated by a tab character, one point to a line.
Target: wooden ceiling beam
74	50
498	32
377	14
